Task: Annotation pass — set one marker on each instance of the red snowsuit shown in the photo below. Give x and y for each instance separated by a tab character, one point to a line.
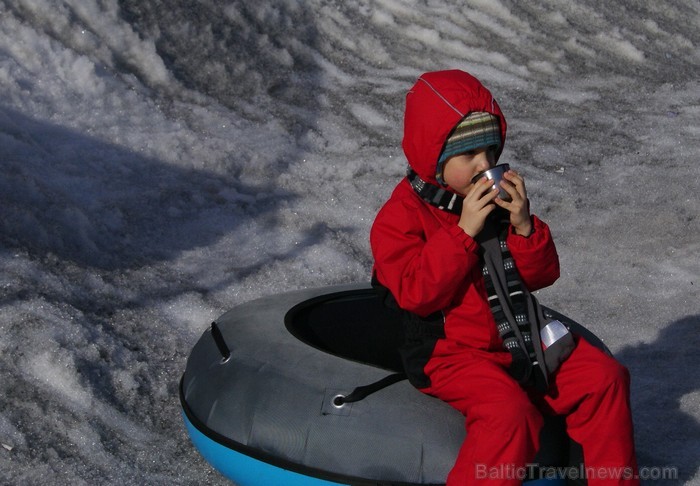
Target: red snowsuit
430	265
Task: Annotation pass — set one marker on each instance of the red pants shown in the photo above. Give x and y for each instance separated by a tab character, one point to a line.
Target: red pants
503	422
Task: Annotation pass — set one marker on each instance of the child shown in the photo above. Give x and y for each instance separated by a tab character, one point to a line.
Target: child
429	242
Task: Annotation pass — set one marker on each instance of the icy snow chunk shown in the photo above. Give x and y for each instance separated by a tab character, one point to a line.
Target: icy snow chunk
615	43
58	372
10	435
572	95
188	312
368	115
690	403
383	18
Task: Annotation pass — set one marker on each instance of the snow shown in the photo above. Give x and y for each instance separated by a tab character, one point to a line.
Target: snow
164	161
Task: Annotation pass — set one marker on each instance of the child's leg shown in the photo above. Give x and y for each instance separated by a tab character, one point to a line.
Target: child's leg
592	389
502	423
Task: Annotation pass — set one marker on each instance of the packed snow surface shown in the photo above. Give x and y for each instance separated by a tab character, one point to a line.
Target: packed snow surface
163	161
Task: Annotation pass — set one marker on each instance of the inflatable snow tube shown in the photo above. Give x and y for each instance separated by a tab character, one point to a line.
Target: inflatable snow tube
260	400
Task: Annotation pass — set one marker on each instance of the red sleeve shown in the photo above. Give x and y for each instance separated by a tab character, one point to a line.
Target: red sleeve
422	272
535	256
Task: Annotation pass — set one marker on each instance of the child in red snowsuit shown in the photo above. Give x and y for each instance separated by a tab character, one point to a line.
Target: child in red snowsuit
427	255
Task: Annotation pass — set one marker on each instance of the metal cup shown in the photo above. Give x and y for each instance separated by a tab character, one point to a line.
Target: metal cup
495	174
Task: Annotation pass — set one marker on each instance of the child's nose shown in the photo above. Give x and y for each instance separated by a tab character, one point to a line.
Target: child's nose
483	161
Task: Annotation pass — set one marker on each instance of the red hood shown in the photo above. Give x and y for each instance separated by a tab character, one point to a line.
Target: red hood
435	104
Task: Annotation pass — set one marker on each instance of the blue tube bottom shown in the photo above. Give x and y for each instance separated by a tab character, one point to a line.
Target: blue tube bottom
246	471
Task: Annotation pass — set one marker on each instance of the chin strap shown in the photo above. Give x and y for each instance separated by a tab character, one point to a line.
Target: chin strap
435	195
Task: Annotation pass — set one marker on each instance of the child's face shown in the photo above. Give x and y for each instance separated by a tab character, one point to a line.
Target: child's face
461	169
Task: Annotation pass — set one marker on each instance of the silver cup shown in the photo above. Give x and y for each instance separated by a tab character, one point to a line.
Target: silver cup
495	175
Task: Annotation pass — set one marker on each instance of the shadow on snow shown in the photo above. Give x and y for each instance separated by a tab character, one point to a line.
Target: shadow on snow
663	373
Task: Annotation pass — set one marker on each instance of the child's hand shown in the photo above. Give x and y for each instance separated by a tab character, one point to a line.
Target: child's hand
518	207
477	205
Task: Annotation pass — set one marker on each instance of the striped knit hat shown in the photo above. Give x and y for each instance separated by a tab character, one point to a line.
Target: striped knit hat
477	129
